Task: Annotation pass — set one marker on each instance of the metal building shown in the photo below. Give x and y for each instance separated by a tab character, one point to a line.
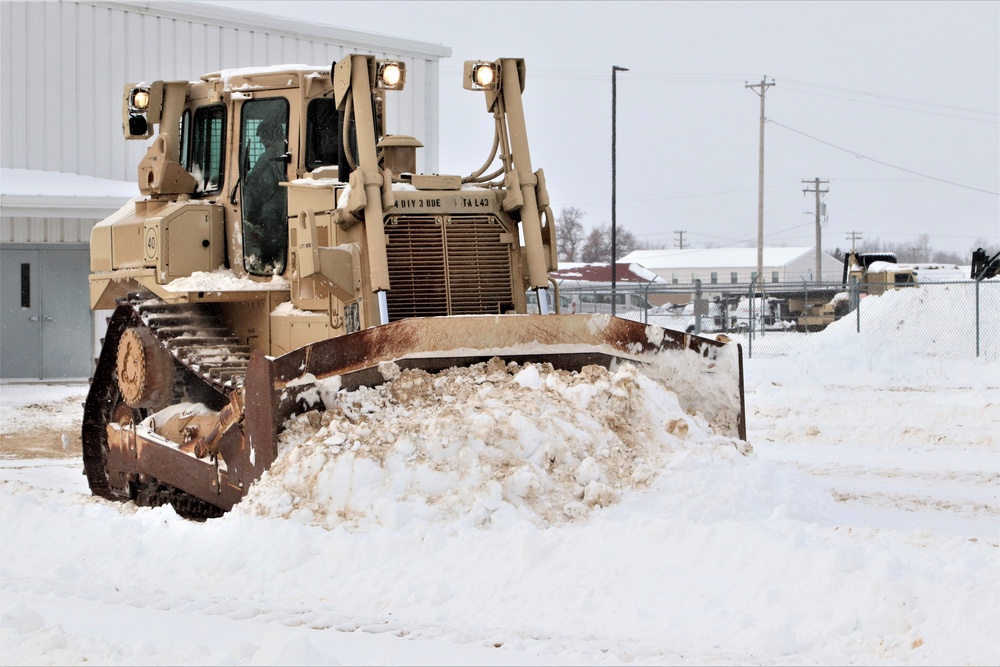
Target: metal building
64	164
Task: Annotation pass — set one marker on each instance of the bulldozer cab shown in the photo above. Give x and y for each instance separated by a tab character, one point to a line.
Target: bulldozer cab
233	138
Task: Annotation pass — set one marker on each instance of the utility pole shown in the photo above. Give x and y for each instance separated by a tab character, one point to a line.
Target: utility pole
614	177
763	86
854	236
819	237
680	238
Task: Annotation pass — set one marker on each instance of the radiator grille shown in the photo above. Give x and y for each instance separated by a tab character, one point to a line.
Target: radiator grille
447	265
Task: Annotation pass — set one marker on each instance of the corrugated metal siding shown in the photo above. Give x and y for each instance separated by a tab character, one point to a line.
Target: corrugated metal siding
46	230
65	65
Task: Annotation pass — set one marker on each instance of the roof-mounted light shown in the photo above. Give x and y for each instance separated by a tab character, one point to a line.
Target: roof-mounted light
138	107
391	74
139	99
481	75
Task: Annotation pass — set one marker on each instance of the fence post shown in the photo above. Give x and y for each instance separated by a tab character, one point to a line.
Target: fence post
753	281
856	302
977	319
805	286
697	307
645	297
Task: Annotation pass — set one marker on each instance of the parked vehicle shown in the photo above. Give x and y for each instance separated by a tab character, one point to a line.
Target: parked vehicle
627	304
566	305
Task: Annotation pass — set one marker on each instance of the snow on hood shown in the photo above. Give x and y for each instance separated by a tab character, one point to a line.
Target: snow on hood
486	446
223	280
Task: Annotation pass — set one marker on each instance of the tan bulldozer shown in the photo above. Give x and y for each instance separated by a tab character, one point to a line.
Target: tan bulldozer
285	240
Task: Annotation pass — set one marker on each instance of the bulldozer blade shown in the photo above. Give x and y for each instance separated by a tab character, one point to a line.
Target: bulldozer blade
705	374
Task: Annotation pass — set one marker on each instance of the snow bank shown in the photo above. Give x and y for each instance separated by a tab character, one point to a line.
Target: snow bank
909	337
486	446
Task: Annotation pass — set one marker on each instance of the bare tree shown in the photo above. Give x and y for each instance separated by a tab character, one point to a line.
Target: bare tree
918	250
947	257
569	234
597	247
625	243
873	244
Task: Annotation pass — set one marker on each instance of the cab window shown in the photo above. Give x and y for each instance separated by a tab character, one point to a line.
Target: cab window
264	160
184	132
204	160
322	134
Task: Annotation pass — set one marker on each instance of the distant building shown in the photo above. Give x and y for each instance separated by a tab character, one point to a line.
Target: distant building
720	266
598	274
586	288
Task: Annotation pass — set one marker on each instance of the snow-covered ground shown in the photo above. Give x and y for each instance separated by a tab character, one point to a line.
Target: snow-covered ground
542	518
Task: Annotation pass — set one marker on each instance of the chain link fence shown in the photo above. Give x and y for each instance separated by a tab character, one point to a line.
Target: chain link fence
957	320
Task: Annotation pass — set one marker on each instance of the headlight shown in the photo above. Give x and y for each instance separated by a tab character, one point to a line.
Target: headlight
481	75
392	75
139	99
484	76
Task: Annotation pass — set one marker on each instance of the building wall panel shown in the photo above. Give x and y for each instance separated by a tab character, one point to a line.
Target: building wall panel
45	230
63	113
68	153
86	76
7	11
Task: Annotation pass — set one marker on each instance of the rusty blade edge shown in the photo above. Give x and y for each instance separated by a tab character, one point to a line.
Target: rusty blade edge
483	335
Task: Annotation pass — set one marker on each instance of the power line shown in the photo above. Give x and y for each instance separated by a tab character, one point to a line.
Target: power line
736	242
894	106
701	77
688	196
885	164
892	97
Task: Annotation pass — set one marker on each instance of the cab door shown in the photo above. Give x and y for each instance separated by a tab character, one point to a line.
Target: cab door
264	160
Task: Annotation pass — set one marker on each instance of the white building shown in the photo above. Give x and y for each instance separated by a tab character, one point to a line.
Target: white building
718	266
64	164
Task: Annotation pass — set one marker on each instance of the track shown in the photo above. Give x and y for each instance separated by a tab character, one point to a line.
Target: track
208	364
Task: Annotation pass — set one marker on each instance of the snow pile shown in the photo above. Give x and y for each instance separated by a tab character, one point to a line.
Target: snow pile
484	446
930	320
912	337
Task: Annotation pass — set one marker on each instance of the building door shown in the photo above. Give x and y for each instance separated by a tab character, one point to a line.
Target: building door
45	323
20	320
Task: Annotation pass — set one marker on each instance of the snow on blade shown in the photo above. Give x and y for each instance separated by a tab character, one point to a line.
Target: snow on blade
484	446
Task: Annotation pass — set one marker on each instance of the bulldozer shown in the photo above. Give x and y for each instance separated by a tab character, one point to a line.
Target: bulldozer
285	243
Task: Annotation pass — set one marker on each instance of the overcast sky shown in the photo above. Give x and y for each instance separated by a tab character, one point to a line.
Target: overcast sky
896	104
